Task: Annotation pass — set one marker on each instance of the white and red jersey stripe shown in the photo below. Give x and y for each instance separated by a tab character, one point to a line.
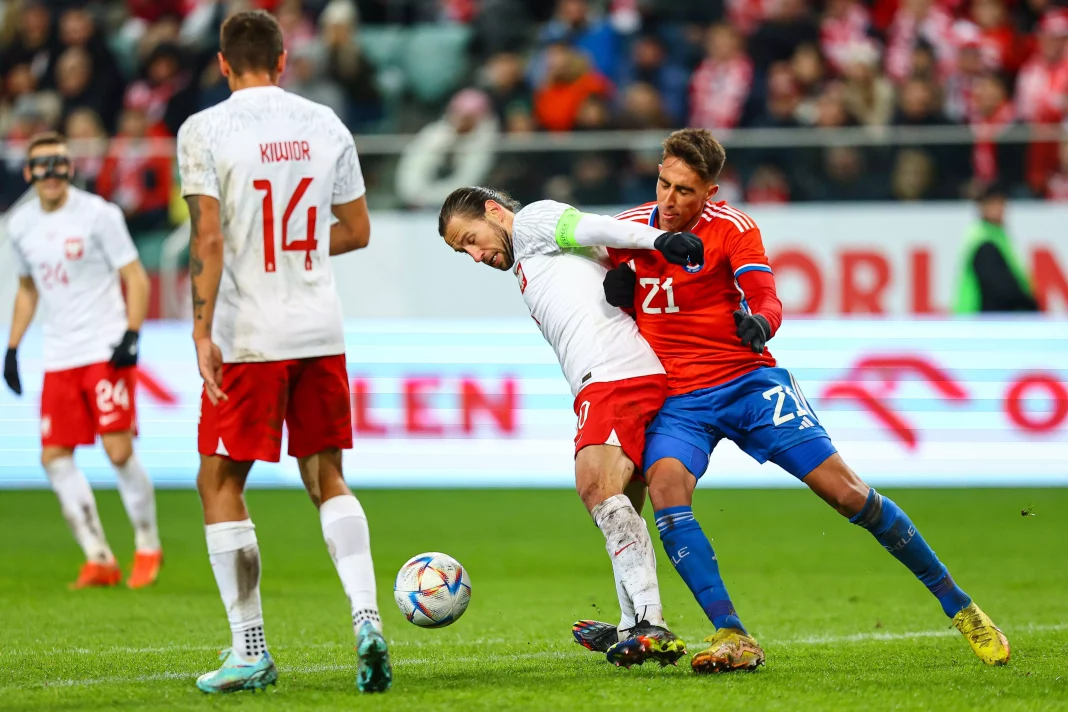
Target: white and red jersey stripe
711	212
986	129
935	26
838	35
718	91
1041	89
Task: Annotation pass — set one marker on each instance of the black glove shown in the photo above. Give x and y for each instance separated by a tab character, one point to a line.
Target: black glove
753	329
619	286
11	372
681	248
126	352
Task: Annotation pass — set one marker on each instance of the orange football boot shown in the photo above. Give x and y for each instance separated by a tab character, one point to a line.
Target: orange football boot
95	574
145	570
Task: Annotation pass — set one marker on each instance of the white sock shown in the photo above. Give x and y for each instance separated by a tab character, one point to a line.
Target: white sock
235	561
349	542
633	561
79	508
139	498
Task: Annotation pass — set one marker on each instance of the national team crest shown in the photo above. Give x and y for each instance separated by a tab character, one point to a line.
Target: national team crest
75	248
521	277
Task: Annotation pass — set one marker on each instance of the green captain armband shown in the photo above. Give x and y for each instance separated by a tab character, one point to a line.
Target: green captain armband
565	228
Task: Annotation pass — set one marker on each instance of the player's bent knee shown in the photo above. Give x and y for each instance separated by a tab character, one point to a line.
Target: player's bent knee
601	471
51	453
671	484
838	486
119	447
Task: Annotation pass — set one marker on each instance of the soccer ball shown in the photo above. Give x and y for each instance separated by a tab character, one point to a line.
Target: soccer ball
432	590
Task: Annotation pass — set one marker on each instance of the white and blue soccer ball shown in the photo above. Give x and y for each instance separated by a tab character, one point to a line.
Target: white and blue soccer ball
432	590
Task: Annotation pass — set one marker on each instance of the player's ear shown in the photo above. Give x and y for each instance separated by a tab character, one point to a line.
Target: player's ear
712	191
280	68
224	66
493	208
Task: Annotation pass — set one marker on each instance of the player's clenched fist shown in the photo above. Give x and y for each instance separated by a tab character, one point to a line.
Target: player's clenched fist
753	330
619	286
681	248
11	372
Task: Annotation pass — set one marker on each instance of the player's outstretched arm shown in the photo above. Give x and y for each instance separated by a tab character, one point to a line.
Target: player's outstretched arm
352	231
25	306
205	271
577	229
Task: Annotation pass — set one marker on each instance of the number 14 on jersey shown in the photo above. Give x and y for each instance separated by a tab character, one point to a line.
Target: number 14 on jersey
307	245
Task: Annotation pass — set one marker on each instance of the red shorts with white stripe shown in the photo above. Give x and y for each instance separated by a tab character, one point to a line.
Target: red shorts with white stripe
78	403
310	396
617	413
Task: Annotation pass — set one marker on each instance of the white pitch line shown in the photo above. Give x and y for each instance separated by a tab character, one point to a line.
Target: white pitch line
401	663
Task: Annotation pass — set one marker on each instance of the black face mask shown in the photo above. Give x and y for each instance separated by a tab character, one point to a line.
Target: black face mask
43	167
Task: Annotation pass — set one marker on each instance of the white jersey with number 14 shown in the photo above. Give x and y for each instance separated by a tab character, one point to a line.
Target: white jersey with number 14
276	163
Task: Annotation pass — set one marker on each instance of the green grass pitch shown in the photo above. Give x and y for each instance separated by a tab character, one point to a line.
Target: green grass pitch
844	625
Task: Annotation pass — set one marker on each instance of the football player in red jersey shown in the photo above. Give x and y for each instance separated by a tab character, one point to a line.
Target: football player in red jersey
709	325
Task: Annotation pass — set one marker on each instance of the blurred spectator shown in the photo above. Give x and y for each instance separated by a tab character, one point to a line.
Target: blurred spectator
136	174
831	110
643	109
913	176
747	15
845	175
917	20
595	180
787	28
649	63
1003	50
868	95
213	87
450	153
721	84
922	62
767	185
500	26
568	82
152	11
89	144
807	66
74	81
918	105
504	81
297	30
574	24
78	29
783	99
348	65
1042	84
34	45
593	115
166	90
304	77
961	84
845	24
993	114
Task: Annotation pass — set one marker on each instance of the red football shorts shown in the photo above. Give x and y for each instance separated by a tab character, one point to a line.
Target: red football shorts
617	413
78	403
309	395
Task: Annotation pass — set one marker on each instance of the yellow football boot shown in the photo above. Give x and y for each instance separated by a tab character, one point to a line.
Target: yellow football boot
730	649
988	642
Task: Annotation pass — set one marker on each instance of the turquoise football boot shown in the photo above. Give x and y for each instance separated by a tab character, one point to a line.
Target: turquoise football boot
373	671
235	674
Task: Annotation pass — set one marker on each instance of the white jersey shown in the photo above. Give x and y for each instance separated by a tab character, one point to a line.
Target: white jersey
276	163
74	255
563	288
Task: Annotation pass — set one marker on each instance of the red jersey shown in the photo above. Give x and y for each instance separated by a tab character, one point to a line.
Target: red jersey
688	317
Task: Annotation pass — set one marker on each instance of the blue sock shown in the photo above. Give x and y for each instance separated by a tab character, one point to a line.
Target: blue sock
899	536
692	555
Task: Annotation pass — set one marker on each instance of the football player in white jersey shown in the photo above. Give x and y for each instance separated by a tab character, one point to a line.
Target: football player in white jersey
557	255
262	173
72	249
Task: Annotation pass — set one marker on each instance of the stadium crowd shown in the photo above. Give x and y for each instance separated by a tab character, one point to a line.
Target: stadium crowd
459	73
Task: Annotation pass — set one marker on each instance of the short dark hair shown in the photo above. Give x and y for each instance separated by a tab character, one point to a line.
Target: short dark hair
470	202
251	42
698	149
46	138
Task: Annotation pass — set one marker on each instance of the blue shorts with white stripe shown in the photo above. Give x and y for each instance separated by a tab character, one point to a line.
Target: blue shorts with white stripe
763	412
